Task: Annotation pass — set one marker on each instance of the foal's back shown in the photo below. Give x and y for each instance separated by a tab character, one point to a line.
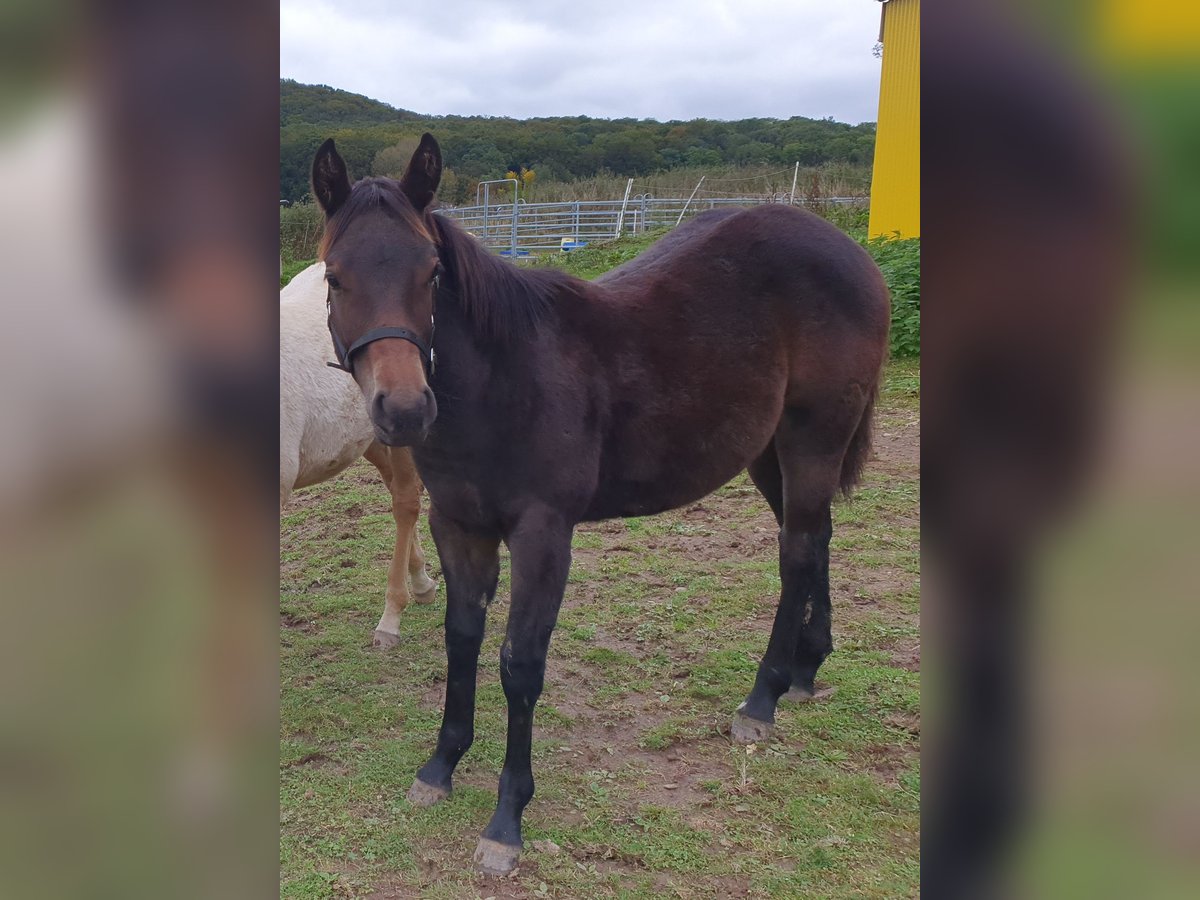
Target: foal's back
725	264
706	341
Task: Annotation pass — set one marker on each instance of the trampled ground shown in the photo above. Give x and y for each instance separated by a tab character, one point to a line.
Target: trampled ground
640	792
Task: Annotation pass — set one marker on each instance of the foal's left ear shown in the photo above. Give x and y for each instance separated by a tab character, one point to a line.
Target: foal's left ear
424	171
330	180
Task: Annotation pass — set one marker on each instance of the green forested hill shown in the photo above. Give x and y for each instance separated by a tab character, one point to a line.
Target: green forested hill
319	104
561	148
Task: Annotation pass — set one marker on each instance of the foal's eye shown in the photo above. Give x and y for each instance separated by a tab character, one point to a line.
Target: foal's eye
332	281
437	273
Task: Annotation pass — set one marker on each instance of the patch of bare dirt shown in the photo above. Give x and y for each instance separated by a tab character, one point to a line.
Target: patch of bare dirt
886	761
318	760
897	444
434	695
907	655
296	623
361	473
901	721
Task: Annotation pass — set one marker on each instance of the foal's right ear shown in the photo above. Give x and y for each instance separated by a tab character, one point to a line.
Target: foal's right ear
330	181
424	173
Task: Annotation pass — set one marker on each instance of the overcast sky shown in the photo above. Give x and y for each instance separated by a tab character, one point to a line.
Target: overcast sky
658	59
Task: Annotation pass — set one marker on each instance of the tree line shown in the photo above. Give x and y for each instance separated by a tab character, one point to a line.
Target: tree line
373	138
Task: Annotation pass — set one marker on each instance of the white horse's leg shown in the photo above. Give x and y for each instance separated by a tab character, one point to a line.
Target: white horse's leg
406	488
289	468
405	508
424	588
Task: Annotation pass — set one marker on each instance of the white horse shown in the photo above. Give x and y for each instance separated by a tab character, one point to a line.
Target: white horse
323	428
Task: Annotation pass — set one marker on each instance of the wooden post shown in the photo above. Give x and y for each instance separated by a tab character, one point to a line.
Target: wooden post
624	203
689	200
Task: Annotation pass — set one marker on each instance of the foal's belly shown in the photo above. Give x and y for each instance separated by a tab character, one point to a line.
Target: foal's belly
656	471
623	499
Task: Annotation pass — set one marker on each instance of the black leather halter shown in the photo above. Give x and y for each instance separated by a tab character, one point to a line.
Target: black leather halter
345	355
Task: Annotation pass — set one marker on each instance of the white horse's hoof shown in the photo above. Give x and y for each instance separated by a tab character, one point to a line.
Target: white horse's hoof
746	730
385	641
425	795
494	858
426	596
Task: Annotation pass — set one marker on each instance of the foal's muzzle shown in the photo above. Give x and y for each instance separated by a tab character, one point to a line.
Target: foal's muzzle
402	420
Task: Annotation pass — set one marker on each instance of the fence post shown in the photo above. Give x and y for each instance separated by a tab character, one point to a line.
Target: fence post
486	194
795	175
576	221
689	201
514	227
487	191
624	203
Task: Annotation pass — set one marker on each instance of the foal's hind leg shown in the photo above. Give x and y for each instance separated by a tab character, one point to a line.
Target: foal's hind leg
809	464
768	478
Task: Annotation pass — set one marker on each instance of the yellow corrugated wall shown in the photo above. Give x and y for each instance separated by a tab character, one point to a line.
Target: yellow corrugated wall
896	183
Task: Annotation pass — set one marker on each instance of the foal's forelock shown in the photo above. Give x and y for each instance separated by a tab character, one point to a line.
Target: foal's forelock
369	195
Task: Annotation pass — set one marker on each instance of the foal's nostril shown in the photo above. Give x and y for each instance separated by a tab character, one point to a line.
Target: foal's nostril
378	406
430	407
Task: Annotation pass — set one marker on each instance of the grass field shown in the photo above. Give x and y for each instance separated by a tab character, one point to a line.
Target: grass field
640	792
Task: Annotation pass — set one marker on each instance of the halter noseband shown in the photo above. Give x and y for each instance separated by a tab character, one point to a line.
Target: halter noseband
345	355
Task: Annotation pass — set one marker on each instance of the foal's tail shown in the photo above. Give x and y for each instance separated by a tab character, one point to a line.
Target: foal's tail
859	450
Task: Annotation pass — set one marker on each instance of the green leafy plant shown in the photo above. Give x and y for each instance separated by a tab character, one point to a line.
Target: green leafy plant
300	226
900	261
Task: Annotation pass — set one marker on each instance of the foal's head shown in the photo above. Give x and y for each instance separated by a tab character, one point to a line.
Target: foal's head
382	268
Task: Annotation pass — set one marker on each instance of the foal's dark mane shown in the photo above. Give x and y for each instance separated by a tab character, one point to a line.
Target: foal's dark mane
500	300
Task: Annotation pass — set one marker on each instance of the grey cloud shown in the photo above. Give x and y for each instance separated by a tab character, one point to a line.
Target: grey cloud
667	60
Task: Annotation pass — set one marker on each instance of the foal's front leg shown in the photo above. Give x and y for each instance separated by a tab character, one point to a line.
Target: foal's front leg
471	567
541	557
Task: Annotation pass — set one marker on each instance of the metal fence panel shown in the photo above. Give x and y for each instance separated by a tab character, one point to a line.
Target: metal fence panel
541	227
548	226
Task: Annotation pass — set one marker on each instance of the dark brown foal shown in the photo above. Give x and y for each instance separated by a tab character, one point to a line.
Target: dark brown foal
747	338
